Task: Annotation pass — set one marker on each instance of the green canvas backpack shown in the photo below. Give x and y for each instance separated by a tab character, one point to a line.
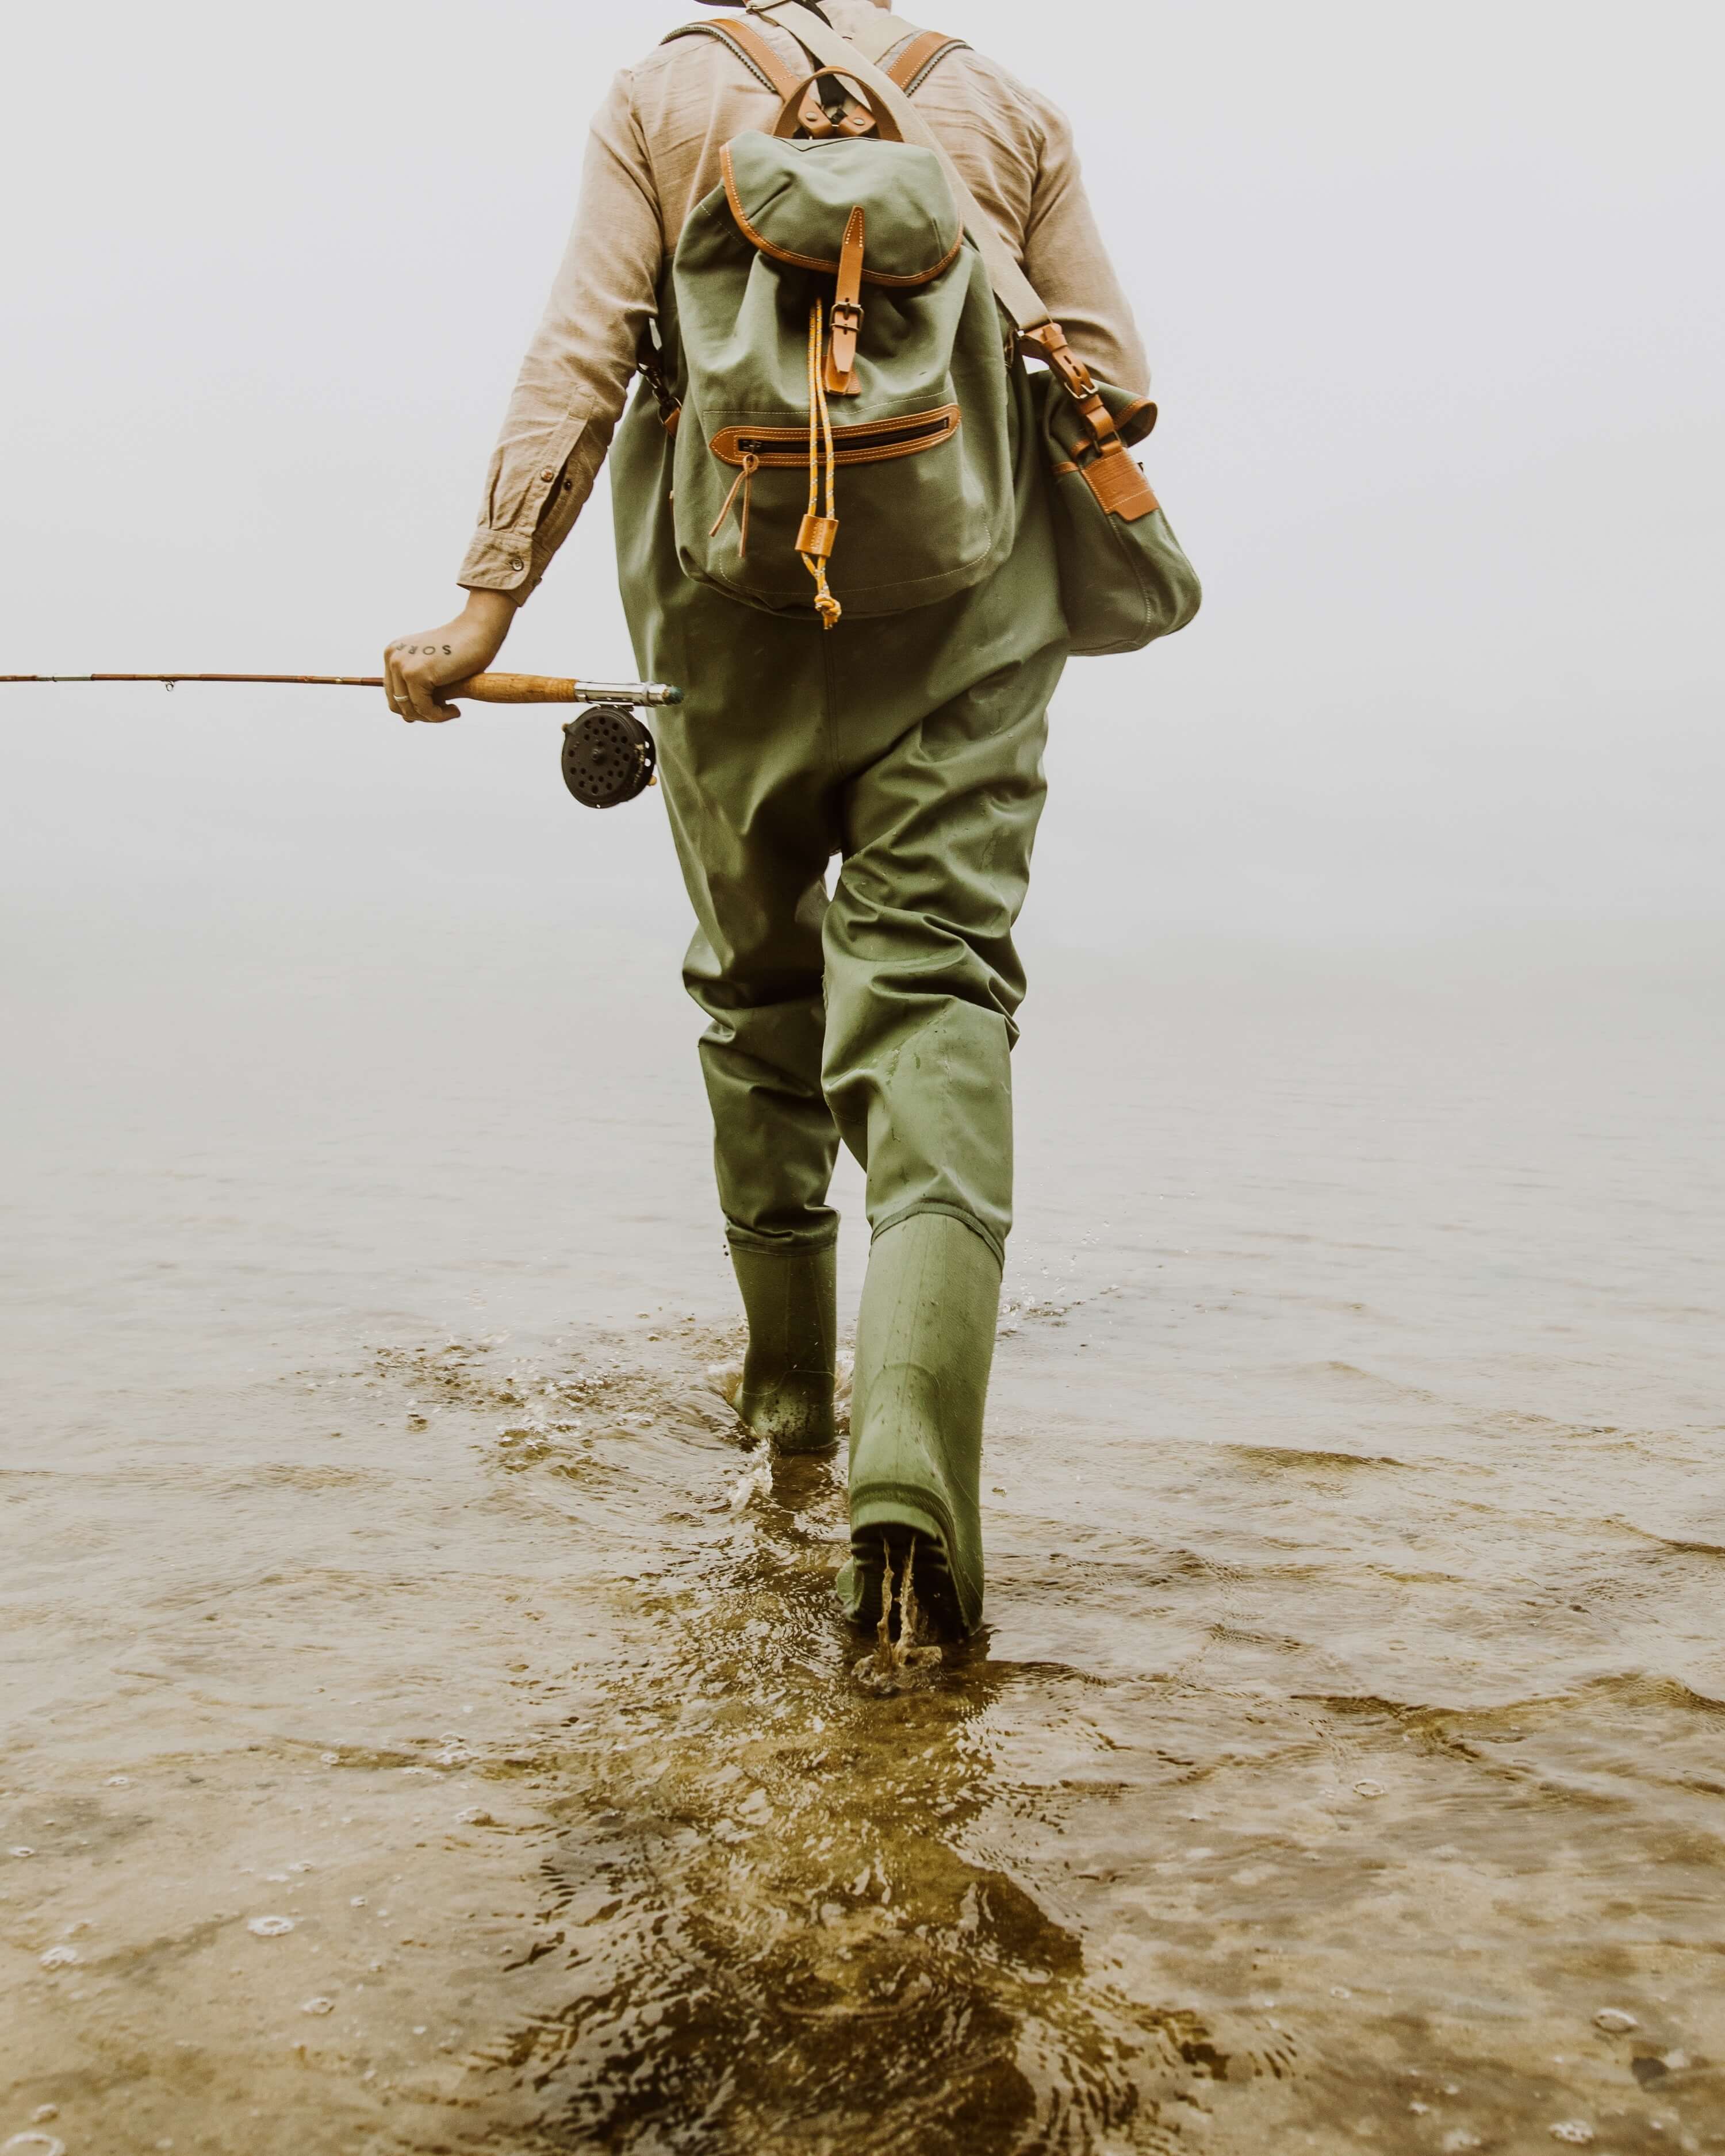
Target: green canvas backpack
842	373
842	367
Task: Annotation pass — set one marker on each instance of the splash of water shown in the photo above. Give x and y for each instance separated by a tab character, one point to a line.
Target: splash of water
905	1657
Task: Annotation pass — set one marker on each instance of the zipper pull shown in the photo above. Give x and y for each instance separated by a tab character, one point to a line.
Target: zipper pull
746	480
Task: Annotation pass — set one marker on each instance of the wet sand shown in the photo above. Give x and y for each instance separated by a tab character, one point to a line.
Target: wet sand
1347	1740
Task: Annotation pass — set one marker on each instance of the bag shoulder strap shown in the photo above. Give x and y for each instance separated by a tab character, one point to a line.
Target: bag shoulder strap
750	47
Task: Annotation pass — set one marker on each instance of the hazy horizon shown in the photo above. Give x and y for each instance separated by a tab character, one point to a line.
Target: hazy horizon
1441	429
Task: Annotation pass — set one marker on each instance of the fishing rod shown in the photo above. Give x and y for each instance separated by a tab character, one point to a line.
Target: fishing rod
610	755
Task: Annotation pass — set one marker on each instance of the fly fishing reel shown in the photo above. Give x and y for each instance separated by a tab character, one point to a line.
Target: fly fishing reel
609	756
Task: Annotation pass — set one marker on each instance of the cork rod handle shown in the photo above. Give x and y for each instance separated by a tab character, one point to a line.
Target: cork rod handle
514	689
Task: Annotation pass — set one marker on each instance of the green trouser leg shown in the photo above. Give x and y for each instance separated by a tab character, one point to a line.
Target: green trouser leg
925	1341
790	1298
909	746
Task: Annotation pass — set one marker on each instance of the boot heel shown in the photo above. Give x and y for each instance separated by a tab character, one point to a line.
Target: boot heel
894	1541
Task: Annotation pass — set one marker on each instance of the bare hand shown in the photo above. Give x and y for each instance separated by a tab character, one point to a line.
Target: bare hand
415	667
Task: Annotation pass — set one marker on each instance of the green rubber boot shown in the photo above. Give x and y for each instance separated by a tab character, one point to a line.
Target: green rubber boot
925	1341
790	1298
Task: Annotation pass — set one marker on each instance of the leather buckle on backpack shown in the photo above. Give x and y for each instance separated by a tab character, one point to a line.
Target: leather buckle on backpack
1048	342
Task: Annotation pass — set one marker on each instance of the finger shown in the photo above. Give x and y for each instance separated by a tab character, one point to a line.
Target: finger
392	683
421	697
412	693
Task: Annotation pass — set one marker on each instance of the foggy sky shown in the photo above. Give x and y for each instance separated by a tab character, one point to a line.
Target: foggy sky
1433	305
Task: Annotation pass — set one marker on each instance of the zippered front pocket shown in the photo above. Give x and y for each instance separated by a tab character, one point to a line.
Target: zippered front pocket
903	527
872	442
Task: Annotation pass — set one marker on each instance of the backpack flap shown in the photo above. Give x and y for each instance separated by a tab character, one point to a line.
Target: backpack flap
793	200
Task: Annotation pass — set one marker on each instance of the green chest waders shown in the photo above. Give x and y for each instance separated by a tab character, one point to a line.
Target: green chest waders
910	746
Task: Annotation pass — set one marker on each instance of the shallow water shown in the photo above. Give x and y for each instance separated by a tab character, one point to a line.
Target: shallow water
1350	1730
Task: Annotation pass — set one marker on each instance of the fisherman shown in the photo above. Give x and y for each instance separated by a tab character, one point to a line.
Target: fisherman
908	745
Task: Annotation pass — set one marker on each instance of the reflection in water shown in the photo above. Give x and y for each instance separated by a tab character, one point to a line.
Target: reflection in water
451	1744
785	1931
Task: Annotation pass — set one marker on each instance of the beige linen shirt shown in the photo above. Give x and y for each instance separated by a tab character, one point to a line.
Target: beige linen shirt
653	156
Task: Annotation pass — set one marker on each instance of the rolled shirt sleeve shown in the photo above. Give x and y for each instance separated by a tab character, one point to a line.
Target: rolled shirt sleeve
574	380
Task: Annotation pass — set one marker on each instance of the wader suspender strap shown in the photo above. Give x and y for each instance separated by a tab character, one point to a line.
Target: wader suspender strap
1114	478
912	63
752	48
917	59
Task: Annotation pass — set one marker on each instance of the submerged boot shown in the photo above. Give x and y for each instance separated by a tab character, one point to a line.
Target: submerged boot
924	1343
790	1298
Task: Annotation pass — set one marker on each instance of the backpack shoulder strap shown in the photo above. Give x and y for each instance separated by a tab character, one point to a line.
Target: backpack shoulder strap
910	65
750	47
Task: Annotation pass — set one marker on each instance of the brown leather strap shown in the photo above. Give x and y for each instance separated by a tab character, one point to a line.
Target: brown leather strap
750	47
847	312
817	120
1049	343
913	63
1109	472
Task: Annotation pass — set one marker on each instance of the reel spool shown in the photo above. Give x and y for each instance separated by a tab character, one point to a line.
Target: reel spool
609	757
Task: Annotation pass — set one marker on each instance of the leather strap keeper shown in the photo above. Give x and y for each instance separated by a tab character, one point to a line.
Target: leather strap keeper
818	535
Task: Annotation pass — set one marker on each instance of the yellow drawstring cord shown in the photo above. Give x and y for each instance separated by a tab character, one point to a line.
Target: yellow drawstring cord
820	429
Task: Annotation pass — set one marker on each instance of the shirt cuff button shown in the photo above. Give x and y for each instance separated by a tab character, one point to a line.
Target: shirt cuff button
548	474
516	562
